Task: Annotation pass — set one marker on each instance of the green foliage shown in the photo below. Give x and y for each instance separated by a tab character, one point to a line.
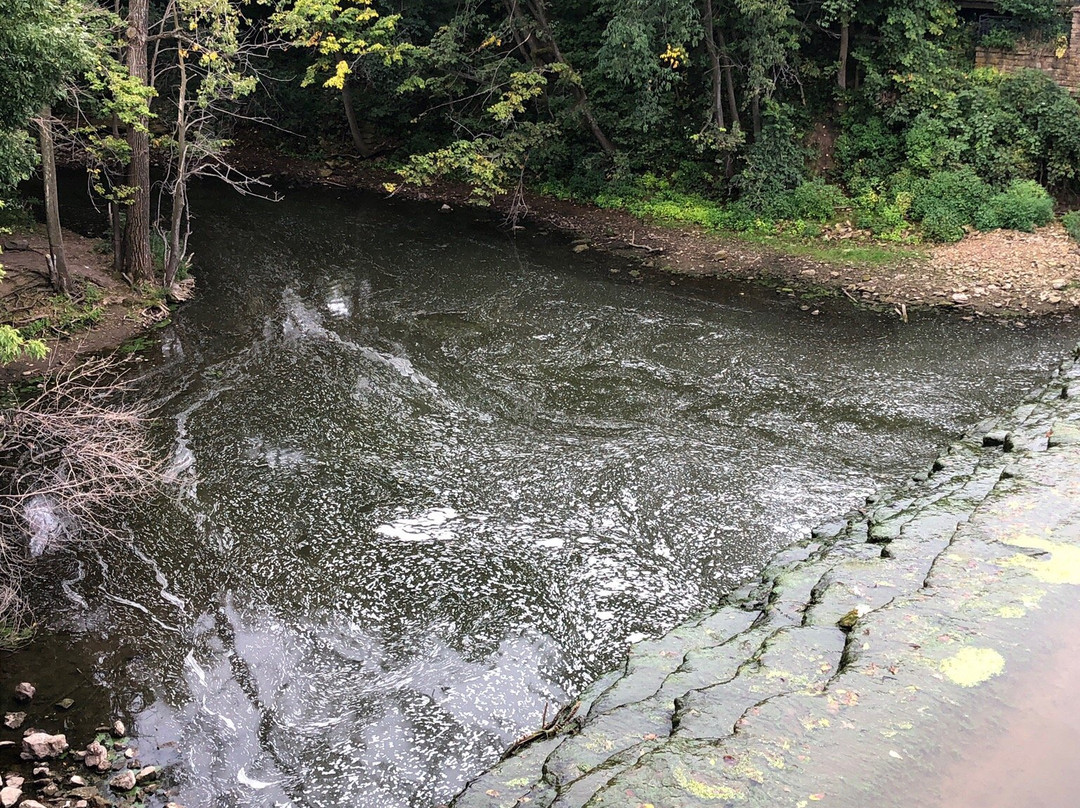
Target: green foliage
1024	205
947	202
775	163
15	345
1071	220
41	46
999	37
813	201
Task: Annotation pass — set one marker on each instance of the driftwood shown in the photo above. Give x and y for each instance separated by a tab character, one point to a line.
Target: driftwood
548	729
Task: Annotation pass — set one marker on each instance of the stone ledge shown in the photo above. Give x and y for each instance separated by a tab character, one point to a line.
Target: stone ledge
839	669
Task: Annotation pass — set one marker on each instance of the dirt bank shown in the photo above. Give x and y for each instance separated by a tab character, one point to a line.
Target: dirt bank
103	314
1001	273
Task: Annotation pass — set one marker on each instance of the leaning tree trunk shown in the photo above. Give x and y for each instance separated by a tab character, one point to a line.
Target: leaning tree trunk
137	262
714	67
552	54
58	270
729	80
177	245
358	138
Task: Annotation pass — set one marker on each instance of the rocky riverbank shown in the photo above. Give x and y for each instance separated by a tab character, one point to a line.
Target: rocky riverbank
862	664
41	770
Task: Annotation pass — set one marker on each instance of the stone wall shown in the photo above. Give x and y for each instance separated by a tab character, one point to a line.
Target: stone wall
1065	70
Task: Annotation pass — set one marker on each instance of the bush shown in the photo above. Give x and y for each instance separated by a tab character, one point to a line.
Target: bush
1071	220
775	163
1024	205
814	201
947	201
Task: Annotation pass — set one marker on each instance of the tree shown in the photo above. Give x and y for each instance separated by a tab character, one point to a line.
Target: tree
138	265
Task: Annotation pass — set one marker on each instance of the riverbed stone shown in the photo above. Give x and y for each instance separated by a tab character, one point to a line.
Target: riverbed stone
118	729
124	781
97	757
9	796
24	691
42	746
14	720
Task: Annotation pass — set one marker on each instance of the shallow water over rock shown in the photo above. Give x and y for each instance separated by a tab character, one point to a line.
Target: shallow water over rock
428	480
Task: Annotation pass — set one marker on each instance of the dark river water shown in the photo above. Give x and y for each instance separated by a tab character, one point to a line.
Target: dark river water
427	479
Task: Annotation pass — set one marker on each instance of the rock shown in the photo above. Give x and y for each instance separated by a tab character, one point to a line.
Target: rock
118	729
14	720
173	805
1064	434
76	780
1059	284
9	796
65	704
42	771
580	248
995	438
125	781
31	804
445	208
97	757
14	780
51	790
130	752
960	297
146	774
42	745
24	691
84	792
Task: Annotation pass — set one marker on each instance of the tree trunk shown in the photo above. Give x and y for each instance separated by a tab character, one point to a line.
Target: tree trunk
358	139
755	114
714	67
137	263
539	59
177	244
115	218
58	270
729	79
841	73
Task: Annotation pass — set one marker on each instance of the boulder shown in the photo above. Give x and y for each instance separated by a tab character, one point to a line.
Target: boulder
146	774
97	757
14	780
125	781
42	745
9	796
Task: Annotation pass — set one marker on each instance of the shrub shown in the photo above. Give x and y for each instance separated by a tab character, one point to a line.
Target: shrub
1071	220
775	163
1024	205
814	201
947	201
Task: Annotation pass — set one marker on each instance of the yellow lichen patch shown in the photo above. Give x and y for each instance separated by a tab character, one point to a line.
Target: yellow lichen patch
1011	612
1062	566
972	666
706	791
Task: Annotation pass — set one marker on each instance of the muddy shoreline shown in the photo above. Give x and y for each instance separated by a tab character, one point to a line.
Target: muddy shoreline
1006	275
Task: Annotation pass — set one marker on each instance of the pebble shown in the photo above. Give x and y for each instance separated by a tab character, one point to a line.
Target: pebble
14	720
14	780
24	691
9	796
118	729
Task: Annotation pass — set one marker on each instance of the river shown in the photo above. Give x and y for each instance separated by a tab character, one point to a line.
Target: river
428	480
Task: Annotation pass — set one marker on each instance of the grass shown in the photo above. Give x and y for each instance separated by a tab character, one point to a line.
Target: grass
657	202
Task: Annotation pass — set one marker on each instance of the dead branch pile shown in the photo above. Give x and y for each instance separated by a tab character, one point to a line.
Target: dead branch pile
69	457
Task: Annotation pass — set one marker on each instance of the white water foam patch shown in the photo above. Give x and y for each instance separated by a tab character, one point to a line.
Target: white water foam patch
432	525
